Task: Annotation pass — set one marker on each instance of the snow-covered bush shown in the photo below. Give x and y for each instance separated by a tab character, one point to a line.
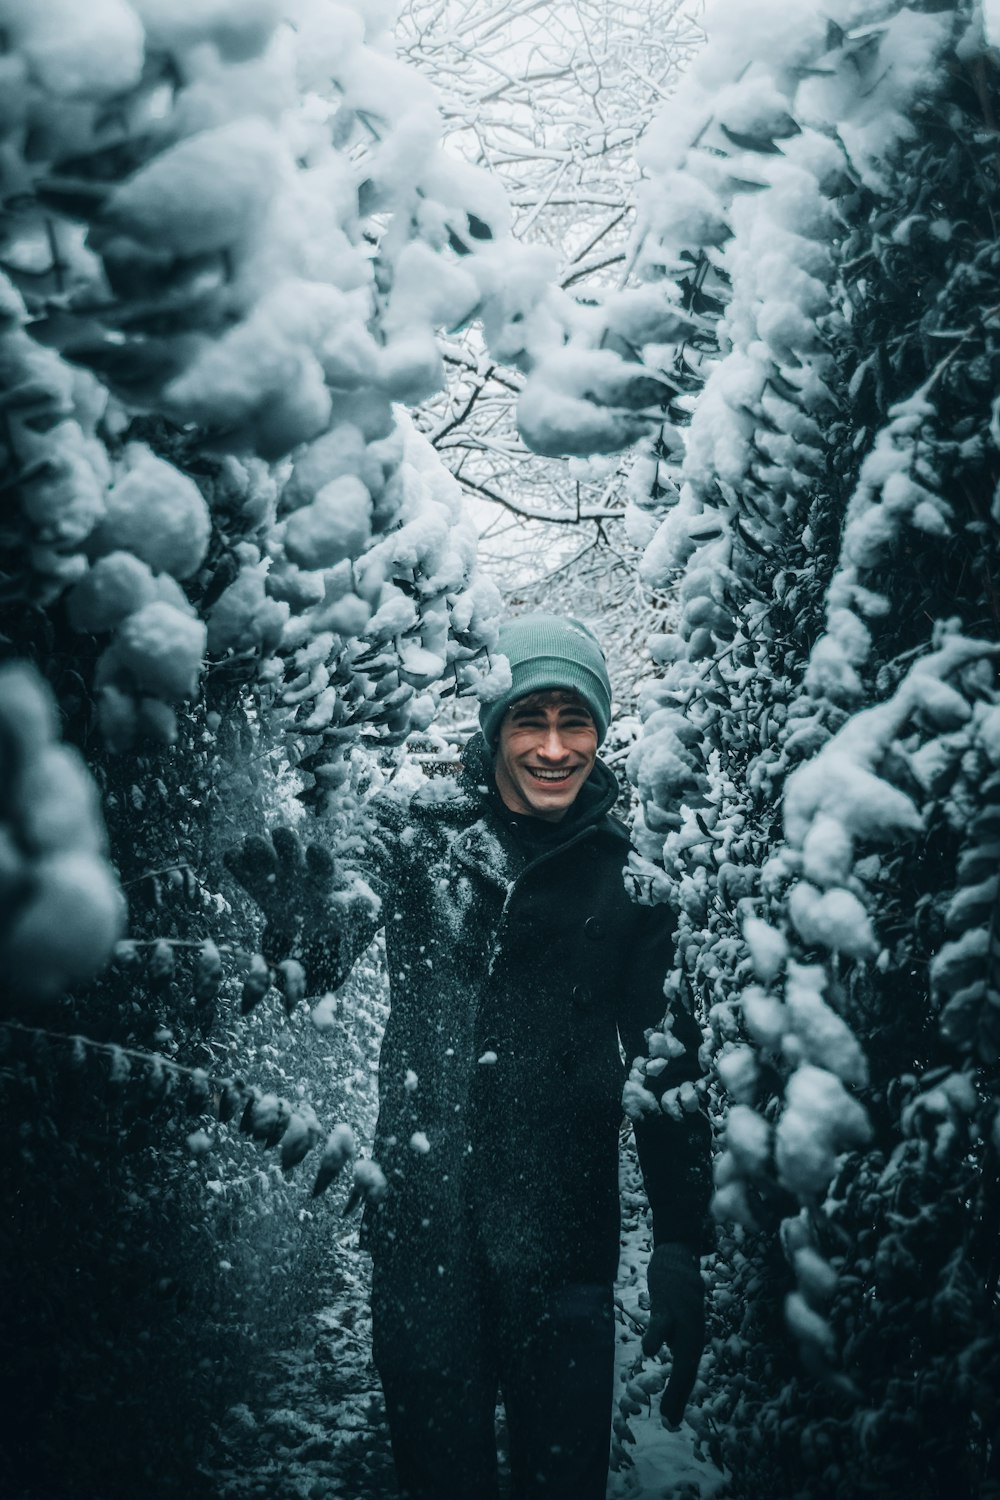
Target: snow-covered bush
819	204
169	1138
230	238
227	256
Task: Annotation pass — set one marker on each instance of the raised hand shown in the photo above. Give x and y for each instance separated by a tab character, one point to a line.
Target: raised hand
293	884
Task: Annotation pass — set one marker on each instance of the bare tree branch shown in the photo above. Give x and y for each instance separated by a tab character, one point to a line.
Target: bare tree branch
537	513
553	97
591	270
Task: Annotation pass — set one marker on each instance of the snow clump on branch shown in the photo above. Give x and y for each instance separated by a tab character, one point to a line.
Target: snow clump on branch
62	909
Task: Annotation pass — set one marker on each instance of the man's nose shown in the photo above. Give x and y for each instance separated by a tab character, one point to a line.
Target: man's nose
552	746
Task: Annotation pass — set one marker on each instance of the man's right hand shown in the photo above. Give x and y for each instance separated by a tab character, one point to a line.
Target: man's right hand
293	885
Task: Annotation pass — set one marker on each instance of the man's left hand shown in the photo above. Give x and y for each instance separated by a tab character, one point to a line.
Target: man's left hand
677	1319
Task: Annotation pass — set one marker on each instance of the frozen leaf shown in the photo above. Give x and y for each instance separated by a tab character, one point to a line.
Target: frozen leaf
199	1143
115	587
301	1134
369	1180
290	978
161	961
768	948
337	1152
256	984
832	919
267	1118
232	1098
161	650
207	972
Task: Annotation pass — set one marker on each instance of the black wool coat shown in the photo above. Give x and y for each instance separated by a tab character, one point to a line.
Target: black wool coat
515	966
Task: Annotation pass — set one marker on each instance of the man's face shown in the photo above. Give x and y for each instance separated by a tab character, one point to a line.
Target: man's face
546	751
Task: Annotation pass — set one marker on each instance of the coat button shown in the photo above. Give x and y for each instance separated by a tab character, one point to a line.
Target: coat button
593	928
580	996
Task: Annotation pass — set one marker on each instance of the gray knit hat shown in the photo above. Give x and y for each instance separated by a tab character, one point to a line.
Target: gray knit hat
550	651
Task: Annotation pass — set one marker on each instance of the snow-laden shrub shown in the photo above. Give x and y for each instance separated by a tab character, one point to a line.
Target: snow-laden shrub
230	240
229	253
822	493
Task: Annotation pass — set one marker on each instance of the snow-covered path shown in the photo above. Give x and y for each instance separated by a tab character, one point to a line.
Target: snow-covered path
658	1464
316	1429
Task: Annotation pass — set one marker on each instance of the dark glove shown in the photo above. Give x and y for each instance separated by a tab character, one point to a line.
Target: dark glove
677	1319
294	886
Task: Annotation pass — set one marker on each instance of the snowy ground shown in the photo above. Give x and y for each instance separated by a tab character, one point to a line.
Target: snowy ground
317	1428
659	1464
663	1463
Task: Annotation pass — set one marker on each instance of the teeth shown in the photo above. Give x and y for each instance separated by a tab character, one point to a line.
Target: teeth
550	775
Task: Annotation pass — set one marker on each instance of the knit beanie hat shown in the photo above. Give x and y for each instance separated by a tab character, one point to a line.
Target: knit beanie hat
550	651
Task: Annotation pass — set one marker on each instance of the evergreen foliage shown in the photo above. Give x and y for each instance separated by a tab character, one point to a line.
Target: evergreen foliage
823	494
229	574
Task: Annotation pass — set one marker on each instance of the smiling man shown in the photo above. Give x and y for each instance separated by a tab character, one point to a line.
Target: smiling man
518	965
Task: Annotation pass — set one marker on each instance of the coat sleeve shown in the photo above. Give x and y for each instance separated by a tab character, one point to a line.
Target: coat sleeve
674	1153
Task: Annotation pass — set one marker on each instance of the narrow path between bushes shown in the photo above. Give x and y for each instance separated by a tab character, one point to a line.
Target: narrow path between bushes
316	1428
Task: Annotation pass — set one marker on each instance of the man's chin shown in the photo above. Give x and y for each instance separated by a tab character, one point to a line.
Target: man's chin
552	801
